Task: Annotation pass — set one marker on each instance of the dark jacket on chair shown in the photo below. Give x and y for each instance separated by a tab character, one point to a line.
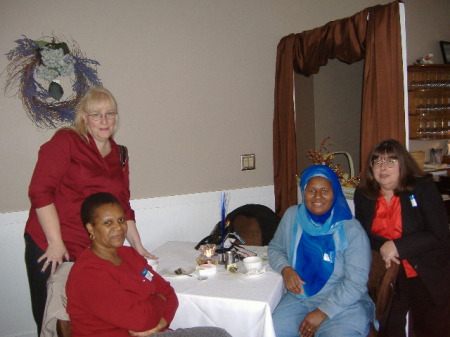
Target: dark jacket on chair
247	214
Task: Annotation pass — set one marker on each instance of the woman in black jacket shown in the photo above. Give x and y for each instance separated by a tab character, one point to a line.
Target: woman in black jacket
403	213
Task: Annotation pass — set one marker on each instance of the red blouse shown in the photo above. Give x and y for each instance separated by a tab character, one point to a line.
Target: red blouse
105	300
388	224
68	170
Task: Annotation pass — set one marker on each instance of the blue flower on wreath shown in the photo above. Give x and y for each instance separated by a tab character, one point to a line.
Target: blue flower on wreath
54	64
48	61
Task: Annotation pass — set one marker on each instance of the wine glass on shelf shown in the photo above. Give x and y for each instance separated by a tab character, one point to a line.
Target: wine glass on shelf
420	129
428	82
435	132
421	83
413	84
435	108
440	106
427	129
442	130
441	80
420	109
434	82
428	107
445	80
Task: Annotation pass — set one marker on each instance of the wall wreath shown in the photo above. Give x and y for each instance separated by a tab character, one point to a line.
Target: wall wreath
37	68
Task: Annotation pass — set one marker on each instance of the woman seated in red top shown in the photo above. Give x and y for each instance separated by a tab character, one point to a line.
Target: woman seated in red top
111	290
402	211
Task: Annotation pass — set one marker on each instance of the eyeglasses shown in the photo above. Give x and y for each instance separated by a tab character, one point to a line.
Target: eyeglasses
98	116
390	162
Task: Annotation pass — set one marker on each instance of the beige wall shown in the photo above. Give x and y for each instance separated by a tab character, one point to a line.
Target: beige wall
194	81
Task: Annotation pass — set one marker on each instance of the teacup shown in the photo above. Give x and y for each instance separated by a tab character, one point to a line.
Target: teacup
153	263
252	263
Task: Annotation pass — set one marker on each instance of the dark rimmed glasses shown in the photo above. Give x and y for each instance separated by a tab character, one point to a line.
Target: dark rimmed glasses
390	162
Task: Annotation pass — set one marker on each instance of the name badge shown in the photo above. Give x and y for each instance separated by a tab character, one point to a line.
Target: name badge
329	256
412	198
147	274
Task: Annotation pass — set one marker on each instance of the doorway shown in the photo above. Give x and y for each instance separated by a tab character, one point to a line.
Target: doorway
328	104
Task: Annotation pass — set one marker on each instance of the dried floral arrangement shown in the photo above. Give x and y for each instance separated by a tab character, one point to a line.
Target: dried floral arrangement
352	182
323	156
35	63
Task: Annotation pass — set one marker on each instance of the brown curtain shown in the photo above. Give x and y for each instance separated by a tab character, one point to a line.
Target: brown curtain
372	34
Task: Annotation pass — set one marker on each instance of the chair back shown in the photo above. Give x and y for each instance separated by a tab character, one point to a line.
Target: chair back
63	328
256	224
248	229
56	321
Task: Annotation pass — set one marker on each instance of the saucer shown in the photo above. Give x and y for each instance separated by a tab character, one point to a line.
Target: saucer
255	272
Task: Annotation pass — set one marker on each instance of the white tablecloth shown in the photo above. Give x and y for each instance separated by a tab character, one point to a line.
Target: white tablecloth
241	304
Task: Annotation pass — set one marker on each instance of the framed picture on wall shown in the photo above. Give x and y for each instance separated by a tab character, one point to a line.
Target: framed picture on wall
445	48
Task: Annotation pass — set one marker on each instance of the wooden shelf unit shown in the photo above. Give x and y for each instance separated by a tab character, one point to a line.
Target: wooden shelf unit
429	101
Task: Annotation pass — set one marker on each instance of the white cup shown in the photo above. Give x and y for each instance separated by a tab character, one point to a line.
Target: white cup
153	263
252	263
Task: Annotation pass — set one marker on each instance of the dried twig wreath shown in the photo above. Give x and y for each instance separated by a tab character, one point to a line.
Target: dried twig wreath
49	61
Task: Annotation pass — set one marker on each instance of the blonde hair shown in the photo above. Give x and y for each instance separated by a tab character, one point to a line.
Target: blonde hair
94	99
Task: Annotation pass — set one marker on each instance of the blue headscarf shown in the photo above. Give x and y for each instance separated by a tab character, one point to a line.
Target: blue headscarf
316	238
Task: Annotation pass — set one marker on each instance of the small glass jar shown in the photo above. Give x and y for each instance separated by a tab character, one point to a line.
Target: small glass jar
207	254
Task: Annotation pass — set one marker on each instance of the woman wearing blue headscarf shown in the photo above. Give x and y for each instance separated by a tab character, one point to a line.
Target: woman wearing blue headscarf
324	256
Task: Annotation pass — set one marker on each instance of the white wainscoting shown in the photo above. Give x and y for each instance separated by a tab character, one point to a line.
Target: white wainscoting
183	217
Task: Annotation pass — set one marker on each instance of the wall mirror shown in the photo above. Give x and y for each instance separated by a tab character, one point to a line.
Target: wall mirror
328	104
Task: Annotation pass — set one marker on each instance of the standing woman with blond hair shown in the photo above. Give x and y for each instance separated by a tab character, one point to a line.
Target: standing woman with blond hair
403	213
73	164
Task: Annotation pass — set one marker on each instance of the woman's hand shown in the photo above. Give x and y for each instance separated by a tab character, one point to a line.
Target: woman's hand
161	325
135	240
55	254
311	323
292	280
56	250
389	253
141	250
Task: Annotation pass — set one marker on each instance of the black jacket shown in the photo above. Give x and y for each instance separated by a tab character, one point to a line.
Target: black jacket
425	241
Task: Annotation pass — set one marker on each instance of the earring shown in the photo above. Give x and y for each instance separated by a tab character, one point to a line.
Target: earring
92	236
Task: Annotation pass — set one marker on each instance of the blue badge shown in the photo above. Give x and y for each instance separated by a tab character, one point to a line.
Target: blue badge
147	274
